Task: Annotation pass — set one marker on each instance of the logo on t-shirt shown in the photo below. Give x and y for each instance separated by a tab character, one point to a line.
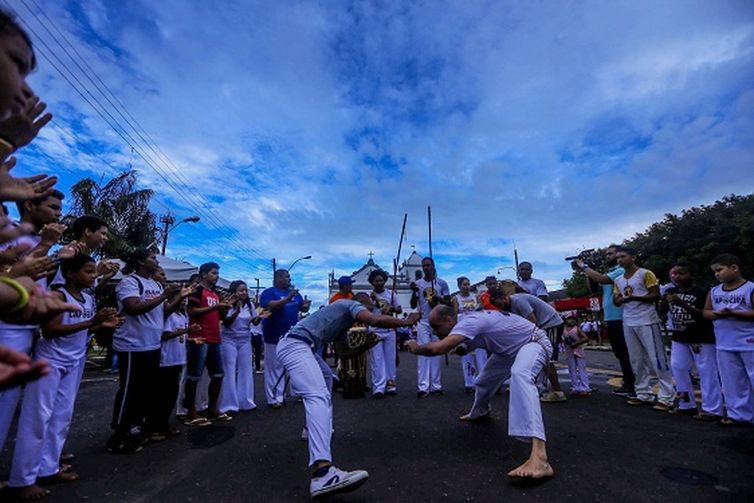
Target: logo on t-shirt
429	293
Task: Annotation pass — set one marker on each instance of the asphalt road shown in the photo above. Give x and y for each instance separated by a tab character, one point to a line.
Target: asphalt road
416	449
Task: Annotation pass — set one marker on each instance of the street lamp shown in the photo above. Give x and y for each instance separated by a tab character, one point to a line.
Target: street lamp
296	261
506	267
167	221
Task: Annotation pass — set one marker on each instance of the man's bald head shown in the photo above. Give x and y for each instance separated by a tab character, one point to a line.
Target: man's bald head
442	319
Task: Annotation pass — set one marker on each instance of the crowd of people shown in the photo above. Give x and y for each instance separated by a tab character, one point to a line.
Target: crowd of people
186	349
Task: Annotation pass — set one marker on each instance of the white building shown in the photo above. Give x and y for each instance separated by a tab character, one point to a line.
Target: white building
408	271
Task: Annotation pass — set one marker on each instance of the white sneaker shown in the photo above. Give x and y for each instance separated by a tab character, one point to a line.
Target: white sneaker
336	481
305	434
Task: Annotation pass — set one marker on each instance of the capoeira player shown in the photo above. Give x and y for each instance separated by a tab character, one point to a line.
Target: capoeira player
298	351
382	356
472	364
519	350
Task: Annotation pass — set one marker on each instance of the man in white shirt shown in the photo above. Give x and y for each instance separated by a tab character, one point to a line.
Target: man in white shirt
519	351
533	286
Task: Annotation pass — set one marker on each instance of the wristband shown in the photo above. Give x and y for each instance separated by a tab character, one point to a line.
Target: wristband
7	144
18	287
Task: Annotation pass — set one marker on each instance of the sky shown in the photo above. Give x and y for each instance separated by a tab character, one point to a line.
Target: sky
305	128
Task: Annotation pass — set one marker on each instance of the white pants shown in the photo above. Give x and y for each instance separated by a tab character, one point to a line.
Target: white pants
647	354
382	361
43	426
20	340
578	373
237	392
429	370
310	379
737	378
524	410
471	366
274	385
682	360
201	402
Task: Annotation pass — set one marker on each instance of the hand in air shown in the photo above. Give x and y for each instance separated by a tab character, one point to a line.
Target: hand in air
21	189
104	314
24	125
34	267
51	233
188	290
17	368
194	328
264	313
42	305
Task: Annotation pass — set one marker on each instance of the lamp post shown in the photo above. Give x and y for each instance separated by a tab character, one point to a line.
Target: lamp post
167	221
296	261
506	267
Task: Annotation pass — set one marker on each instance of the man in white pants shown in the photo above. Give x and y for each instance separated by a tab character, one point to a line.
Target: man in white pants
637	290
284	303
519	350
426	293
298	351
382	355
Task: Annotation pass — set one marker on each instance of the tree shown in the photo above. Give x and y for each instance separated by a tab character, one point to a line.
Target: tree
124	208
696	236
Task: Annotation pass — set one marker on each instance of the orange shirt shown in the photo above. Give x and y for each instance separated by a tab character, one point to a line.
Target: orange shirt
341	296
484	298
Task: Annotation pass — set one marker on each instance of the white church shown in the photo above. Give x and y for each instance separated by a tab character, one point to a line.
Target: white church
408	271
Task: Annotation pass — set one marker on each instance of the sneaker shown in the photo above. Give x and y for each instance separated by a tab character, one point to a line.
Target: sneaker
390	388
422	394
622	391
553	396
276	405
336	481
117	445
662	407
437	392
378	395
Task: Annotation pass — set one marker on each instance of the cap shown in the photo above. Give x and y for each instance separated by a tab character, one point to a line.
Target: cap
345	280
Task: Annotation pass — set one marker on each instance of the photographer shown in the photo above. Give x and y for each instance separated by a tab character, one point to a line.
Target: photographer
613	316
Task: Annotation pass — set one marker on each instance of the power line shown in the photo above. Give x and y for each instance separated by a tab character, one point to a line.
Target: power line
137	128
130	140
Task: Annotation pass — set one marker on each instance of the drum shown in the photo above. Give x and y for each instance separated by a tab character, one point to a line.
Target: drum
352	371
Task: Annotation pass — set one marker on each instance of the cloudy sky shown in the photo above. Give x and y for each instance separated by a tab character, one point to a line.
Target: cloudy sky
305	128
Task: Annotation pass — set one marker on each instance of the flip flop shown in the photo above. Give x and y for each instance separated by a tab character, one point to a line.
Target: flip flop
220	417
529	481
727	422
197	421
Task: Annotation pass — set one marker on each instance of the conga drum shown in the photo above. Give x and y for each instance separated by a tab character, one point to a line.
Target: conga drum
352	371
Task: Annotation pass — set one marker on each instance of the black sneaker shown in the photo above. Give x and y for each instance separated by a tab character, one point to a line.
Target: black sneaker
437	392
378	395
622	391
119	445
422	394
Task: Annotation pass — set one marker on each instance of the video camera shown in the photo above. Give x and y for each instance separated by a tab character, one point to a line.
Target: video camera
593	258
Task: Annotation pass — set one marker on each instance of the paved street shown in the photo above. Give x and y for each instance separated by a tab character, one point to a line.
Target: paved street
601	449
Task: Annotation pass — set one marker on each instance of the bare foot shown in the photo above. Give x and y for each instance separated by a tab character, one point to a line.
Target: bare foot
533	469
465	417
476	420
58	478
31	493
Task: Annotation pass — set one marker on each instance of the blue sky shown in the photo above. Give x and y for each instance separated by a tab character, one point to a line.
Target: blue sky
304	128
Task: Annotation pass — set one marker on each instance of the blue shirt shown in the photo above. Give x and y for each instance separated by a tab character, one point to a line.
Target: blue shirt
329	323
612	312
281	320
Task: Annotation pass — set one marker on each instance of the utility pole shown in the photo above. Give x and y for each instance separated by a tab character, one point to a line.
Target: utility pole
166	221
274	266
256	295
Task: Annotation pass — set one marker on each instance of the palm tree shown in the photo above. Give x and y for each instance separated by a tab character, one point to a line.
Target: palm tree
125	209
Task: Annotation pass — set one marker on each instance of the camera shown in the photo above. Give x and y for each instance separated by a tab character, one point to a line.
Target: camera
591	257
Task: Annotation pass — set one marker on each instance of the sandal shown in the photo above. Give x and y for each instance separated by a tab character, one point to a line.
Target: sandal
706	417
732	423
197	421
220	417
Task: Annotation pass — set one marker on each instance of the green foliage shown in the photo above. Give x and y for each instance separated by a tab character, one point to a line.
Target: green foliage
697	235
125	209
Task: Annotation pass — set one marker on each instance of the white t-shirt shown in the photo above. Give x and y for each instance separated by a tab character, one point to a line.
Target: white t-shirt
636	313
173	351
467	304
241	326
534	286
497	332
429	289
142	332
385	300
733	334
69	349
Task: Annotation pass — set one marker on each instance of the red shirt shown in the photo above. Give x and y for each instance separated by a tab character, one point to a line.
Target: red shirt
486	304
341	296
210	322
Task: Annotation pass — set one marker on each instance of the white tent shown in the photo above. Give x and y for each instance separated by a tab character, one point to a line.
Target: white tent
177	270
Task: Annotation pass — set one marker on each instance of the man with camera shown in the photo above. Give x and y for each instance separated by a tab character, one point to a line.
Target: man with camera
613	316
